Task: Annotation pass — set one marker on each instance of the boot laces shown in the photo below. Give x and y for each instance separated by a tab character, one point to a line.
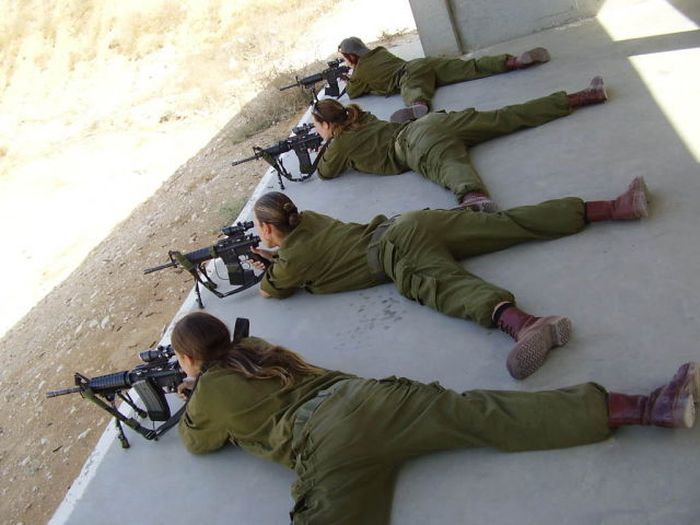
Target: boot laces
508	329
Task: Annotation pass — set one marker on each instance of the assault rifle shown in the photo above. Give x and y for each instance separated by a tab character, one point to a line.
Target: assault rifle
234	250
159	374
331	75
300	143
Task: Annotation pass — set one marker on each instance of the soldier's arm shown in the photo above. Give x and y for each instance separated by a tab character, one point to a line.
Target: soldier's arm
280	280
333	162
356	88
199	432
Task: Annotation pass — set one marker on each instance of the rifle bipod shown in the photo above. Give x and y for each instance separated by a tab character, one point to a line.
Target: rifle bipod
278	166
149	433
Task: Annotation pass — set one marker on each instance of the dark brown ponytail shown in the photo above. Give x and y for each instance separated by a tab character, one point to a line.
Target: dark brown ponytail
277	209
206	339
338	116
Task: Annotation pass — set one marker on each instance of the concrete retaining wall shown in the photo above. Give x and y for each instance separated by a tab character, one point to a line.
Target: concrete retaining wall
455	27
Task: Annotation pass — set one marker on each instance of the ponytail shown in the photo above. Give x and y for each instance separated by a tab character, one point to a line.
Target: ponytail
277	209
340	117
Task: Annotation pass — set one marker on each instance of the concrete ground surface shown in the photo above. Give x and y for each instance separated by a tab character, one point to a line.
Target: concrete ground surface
631	290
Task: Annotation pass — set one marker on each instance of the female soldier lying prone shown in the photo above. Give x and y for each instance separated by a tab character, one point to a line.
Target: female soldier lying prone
435	146
420	252
347	437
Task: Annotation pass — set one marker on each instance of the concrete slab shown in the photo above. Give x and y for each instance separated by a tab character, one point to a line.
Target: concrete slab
631	290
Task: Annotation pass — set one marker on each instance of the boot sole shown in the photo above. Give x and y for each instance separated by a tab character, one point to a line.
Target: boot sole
688	418
597	84
529	354
640	197
685	412
539	55
694	372
408	114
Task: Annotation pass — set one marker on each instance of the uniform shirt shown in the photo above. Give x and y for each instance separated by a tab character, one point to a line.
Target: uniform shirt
369	149
375	72
255	414
322	255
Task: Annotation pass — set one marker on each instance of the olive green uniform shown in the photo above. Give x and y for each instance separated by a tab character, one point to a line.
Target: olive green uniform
435	146
419	251
379	72
347	437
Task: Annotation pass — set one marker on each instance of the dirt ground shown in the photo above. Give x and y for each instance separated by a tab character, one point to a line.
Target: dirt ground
106	311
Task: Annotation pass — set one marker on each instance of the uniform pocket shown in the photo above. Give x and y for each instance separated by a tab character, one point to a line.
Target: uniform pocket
423	289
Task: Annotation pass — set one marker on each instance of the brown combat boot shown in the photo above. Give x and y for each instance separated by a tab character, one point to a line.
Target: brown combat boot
538	55
593	94
477	201
416	110
630	205
535	337
672	405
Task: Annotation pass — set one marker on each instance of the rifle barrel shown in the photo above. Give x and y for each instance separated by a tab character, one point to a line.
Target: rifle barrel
158	268
63	391
290	86
247	159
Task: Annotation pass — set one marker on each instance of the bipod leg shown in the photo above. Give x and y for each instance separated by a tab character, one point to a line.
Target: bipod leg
120	434
198	294
279	168
279	179
120	430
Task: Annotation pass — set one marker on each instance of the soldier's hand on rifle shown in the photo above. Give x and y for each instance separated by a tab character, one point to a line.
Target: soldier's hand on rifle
184	389
266	254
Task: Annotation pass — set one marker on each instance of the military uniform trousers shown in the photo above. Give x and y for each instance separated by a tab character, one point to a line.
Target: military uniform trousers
420	77
420	252
350	449
436	146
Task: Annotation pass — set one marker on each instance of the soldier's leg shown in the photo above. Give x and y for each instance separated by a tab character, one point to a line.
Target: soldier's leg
418	82
465	234
425	418
448	163
453	70
430	276
473	127
417	257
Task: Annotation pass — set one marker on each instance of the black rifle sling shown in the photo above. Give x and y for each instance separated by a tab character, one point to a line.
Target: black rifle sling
319	156
170	423
241	329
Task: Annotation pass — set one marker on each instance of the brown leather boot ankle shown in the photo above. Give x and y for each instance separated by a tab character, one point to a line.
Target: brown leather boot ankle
477	201
538	55
630	205
672	405
593	94
535	337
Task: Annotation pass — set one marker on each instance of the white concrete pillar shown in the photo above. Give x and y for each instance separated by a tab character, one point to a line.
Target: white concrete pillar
436	29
